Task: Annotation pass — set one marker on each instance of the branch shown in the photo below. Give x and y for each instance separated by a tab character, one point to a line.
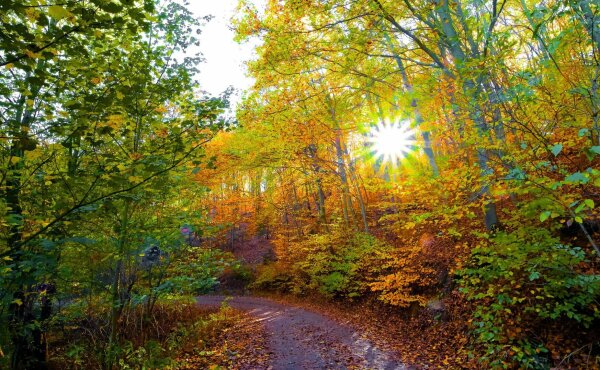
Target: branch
495	16
421	45
37	50
83	203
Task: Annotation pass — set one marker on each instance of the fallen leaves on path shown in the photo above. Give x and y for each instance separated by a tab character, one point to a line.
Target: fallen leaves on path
423	341
239	347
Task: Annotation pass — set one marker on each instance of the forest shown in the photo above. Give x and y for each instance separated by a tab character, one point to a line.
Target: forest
422	174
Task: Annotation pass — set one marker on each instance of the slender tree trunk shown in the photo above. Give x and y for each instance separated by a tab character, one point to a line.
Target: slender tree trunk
347	207
472	88
428	149
28	349
320	200
341	165
359	197
295	209
595	99
117	303
307	192
590	20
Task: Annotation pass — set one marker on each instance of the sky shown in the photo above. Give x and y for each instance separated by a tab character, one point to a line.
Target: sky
224	65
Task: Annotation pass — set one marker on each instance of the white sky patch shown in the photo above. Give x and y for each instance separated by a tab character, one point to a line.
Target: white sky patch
224	65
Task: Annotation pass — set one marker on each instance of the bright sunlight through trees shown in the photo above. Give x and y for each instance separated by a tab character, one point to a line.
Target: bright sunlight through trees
392	141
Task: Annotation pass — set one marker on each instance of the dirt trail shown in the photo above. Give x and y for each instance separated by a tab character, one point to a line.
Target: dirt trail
301	339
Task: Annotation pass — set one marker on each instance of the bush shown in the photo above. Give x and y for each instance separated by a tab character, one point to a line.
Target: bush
274	277
404	278
527	277
338	264
177	330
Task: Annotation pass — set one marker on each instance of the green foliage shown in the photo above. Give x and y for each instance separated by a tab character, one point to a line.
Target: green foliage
197	272
149	356
177	329
102	128
273	276
519	278
337	264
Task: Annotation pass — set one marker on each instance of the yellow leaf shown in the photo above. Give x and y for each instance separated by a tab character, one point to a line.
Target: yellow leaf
32	54
58	12
32	14
135	179
33	154
15	160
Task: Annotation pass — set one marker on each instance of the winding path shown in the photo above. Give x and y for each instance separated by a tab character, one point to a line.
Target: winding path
302	339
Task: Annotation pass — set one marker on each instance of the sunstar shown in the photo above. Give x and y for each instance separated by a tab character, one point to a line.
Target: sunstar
391	142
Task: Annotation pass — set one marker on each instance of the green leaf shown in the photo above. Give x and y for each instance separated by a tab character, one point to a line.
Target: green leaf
595	149
579	220
589	203
577	178
583	132
556	149
534	275
58	12
112	7
544	216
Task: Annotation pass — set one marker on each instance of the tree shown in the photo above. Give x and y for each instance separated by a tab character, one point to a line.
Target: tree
100	108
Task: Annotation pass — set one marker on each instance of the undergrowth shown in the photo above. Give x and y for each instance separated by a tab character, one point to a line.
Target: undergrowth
174	335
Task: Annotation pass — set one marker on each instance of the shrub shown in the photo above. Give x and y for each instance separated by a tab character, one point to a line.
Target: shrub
523	278
335	264
176	330
273	276
406	277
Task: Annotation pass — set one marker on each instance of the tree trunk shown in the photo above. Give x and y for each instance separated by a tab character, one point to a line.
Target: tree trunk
359	198
427	147
28	349
117	303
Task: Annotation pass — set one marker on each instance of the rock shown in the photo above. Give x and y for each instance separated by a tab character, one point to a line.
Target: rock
436	307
